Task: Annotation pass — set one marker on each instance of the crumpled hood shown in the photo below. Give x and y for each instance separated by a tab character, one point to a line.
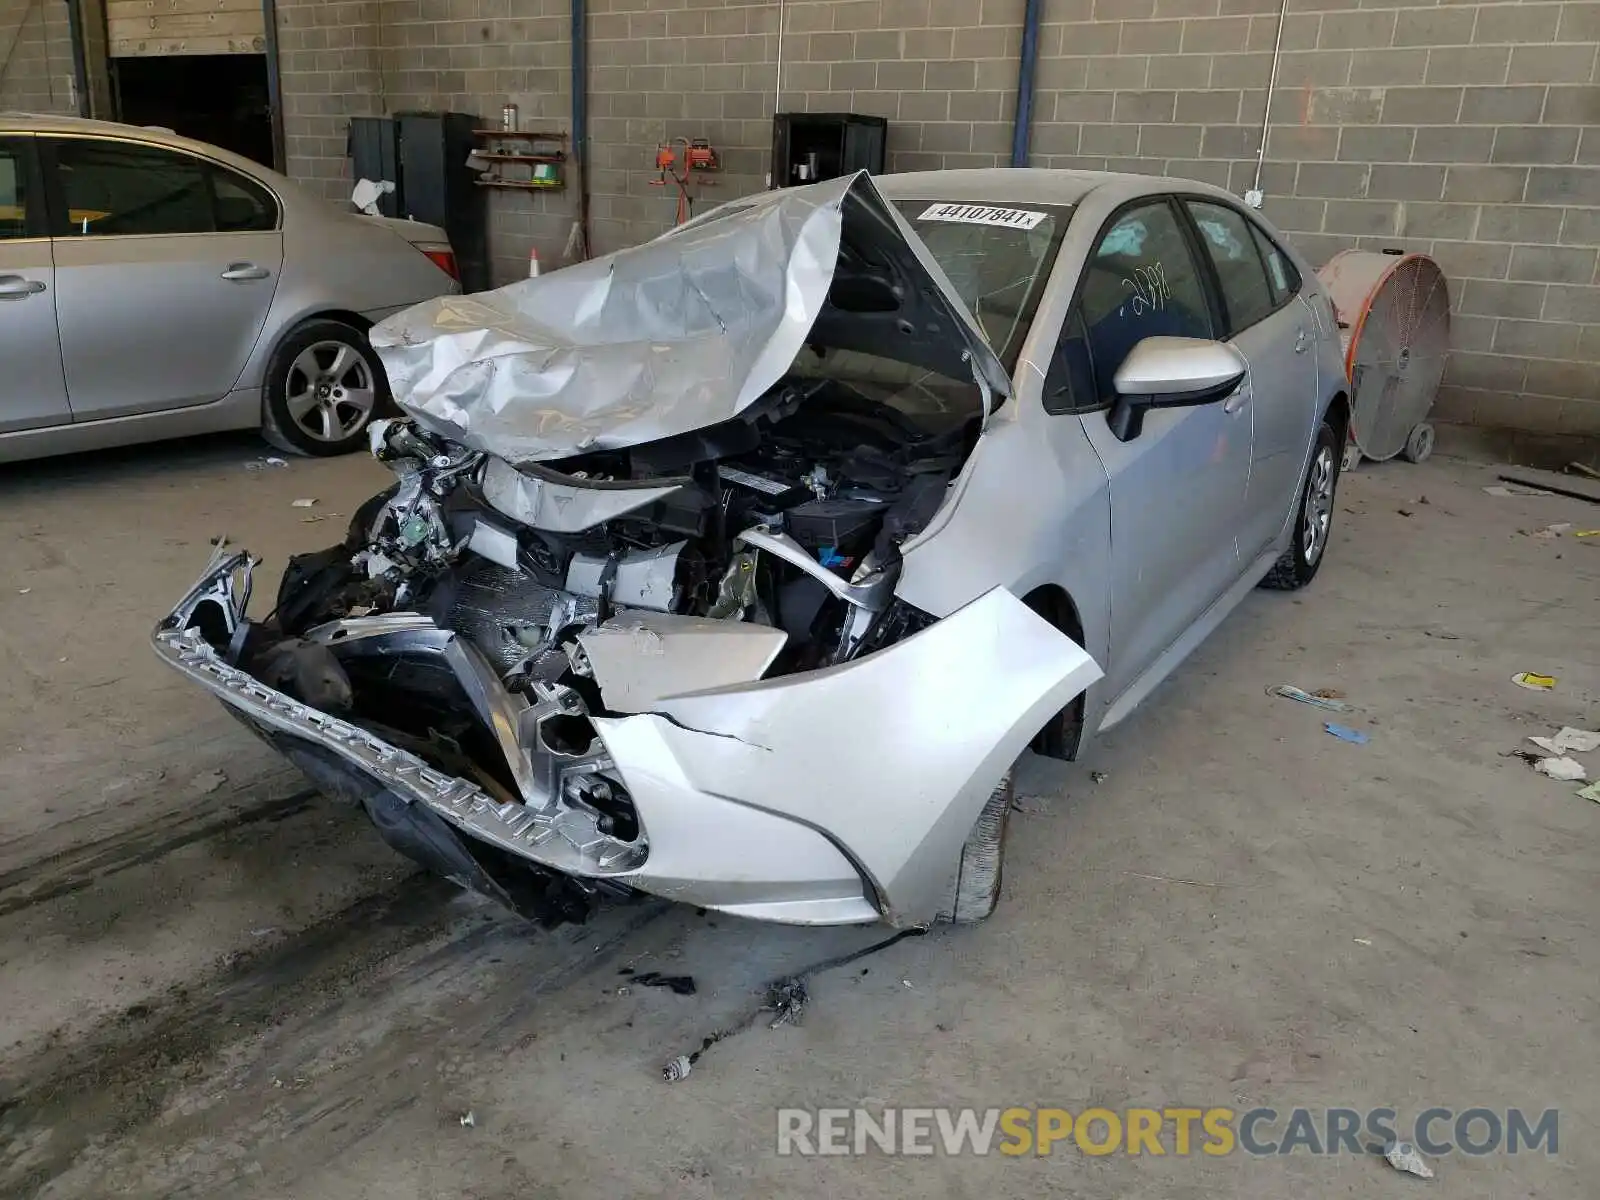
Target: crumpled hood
681	332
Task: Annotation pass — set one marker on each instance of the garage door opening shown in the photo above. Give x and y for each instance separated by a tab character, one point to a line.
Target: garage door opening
218	98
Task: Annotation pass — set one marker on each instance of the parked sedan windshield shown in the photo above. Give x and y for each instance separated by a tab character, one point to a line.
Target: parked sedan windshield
998	257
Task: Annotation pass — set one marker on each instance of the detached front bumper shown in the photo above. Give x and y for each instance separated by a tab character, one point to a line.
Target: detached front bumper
840	796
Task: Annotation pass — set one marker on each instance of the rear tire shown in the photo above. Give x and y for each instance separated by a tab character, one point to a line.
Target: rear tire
977	886
324	385
1313	517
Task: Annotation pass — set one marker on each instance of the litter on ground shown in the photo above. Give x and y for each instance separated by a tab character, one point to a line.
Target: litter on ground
1321	698
1568	770
304	502
1579	741
1345	734
1533	682
1403	1156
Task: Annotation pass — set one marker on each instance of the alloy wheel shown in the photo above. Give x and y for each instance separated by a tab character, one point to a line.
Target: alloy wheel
330	392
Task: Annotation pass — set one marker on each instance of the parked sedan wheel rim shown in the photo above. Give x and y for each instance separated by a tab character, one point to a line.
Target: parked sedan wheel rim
329	392
1319	504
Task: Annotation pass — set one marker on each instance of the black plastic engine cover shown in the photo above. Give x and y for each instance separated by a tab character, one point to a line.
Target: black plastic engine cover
835	523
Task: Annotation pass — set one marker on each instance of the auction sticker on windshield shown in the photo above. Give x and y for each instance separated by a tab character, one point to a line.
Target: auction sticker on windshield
982	214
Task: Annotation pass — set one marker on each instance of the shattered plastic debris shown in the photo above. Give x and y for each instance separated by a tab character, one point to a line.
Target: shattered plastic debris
1345	734
468	1119
1533	682
1362	941
1580	741
1321	698
677	1069
1568	770
1403	1156
23	591
1097	776
304	502
1592	792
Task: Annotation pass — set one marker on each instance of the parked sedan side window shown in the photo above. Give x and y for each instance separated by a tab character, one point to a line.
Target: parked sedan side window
1141	281
1230	244
110	188
243	205
13	193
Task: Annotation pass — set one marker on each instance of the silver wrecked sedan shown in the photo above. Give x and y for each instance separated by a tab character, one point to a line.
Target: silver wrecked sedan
740	566
155	287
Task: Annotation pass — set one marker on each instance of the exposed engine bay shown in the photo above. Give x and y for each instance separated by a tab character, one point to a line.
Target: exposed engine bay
788	518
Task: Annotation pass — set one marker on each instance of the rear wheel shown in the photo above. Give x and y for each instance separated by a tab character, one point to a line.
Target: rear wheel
324	384
1313	519
977	887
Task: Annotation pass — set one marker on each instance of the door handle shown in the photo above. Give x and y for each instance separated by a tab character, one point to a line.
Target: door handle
244	271
1301	340
15	287
1236	401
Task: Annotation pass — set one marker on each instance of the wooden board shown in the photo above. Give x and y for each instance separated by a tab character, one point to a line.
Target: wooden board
142	28
156	47
1579	487
132	10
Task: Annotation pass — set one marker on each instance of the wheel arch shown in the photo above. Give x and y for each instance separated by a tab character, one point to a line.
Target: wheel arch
1062	736
1337	413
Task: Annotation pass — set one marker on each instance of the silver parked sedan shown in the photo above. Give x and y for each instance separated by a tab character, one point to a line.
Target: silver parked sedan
739	567
154	287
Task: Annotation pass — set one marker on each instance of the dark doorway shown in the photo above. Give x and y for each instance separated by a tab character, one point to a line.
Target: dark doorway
216	98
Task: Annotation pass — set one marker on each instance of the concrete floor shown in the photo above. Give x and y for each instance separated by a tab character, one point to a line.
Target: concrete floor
216	984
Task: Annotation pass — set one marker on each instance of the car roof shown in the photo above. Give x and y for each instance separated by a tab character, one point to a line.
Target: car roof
1023	185
21	122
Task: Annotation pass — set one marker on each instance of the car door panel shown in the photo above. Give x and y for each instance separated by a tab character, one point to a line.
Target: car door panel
157	309
33	392
1177	490
1276	336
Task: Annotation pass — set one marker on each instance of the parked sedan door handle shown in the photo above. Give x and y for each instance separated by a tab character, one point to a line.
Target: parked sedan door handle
1302	340
1235	402
15	287
241	271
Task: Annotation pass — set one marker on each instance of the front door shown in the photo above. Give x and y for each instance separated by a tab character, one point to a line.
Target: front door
1177	489
33	392
160	303
1276	336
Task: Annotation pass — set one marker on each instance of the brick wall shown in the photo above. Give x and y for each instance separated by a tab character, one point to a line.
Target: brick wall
35	57
1471	131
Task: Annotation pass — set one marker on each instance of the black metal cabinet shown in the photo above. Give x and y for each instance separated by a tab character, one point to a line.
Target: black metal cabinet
425	154
807	147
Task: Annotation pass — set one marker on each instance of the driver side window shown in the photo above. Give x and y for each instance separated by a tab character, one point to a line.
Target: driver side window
1141	281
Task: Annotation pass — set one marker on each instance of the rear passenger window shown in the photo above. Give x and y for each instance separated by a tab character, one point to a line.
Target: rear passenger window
1230	243
1141	281
243	206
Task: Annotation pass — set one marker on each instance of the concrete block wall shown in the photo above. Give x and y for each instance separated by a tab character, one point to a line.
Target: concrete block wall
36	57
1469	130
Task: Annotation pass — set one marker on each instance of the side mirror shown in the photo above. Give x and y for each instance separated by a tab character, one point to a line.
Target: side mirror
1171	372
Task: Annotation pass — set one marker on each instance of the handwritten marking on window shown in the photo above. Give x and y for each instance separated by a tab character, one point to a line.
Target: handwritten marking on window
1149	290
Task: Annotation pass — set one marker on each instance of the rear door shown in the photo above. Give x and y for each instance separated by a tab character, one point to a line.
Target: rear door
1178	488
1276	337
165	269
33	392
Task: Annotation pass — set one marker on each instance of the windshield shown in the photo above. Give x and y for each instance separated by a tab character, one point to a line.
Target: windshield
998	257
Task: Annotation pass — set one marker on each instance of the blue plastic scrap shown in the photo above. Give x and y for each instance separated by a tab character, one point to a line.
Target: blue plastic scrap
1345	734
